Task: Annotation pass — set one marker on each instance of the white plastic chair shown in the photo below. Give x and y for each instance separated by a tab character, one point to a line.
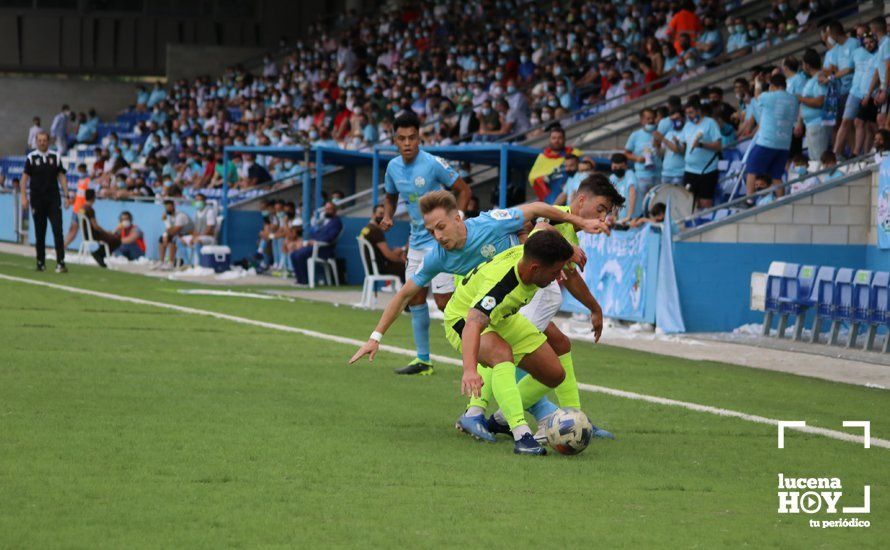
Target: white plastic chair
86	230
329	265
372	274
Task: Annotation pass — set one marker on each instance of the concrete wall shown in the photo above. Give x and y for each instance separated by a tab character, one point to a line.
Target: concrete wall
22	98
192	60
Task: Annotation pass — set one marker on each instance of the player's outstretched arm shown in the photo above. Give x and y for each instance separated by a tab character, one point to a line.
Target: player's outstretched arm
543	210
471	336
389	210
576	286
463	193
390	314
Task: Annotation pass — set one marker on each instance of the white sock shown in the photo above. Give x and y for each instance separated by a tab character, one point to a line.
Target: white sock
520	431
475	411
499	416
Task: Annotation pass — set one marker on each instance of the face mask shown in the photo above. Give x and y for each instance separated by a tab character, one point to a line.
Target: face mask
553	104
677	124
499	75
313	135
619	172
511	89
523	58
831	41
121	185
264	213
695	119
649	127
690	63
571	173
168	183
199	204
486	111
545	117
753	33
557	71
801	170
126	223
378	219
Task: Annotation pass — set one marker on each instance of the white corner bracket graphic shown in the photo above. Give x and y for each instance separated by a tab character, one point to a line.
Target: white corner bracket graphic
866	436
788	424
866	503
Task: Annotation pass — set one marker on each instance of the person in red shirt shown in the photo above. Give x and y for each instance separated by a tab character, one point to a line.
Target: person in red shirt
685	21
132	244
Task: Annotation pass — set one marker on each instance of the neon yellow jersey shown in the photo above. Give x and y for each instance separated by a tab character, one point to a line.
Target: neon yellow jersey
494	288
567	230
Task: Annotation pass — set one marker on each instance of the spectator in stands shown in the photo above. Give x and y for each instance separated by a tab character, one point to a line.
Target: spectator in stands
32	133
390	261
863	70
685	21
176	224
640	150
762	182
656	215
549	163
812	98
829	162
673	164
574	176
132	243
58	131
472	210
769	153
99	234
325	235
879	82
738	43
204	227
881	145
838	62
252	173
625	182
701	145
797	174
710	43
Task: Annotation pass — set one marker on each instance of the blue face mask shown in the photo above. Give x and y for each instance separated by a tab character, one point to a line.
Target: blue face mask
801	170
678	124
649	127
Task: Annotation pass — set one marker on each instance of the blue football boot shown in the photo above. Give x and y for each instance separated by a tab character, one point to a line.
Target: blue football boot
528	446
475	426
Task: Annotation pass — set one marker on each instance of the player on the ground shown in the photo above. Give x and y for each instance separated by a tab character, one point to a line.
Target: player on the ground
413	174
482	321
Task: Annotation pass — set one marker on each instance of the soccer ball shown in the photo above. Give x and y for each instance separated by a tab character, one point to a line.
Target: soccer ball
568	431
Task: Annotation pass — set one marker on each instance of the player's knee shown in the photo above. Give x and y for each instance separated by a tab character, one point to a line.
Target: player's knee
554	378
441	300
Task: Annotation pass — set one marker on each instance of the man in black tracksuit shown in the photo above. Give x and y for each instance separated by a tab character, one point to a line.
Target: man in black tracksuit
45	172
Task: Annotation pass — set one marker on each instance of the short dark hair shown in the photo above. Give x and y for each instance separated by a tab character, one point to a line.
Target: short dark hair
657	209
201	195
812	58
90	195
556	127
792	63
777	80
572	156
598	185
127	214
836	27
548	247
619	158
828	156
406	120
170	202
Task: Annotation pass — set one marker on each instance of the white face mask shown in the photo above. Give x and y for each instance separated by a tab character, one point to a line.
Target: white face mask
126	223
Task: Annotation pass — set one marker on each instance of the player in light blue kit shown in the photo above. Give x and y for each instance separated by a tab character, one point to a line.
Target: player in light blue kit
411	175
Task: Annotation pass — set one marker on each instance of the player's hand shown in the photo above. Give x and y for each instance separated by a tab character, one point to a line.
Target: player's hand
596	319
386	223
369	348
67	202
864	101
596	226
882	97
24	201
471	384
798	130
579	258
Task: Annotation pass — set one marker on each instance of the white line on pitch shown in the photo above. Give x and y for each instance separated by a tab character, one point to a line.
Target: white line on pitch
833	434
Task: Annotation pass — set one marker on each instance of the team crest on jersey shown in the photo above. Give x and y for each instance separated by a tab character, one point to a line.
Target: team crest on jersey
501	214
487	251
488	303
419	181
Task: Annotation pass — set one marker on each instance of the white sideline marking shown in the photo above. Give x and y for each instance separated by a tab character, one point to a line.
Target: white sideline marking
833	434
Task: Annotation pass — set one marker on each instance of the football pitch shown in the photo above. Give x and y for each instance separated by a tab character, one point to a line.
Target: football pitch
134	425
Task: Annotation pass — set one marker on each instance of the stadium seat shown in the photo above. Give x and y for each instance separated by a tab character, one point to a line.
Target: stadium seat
776	288
823	299
879	308
861	311
798	298
372	274
328	265
843	302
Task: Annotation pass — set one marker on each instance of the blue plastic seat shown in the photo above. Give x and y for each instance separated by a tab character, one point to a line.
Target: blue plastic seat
879	308
780	274
798	298
823	299
843	302
861	304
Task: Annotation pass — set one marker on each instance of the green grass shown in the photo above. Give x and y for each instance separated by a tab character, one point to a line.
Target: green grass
124	425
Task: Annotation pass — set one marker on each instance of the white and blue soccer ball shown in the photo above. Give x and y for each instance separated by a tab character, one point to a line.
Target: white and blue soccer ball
568	431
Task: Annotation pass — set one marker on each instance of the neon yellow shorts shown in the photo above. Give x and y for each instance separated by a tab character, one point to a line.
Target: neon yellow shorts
516	330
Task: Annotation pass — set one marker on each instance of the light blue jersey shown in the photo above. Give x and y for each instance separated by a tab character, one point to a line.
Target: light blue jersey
812	115
425	174
640	144
844	60
488	234
778	113
700	160
623	185
794	85
673	164
572	185
863	72
882	55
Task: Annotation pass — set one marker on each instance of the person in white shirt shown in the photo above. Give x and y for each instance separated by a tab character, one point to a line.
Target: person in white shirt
177	224
203	228
32	134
